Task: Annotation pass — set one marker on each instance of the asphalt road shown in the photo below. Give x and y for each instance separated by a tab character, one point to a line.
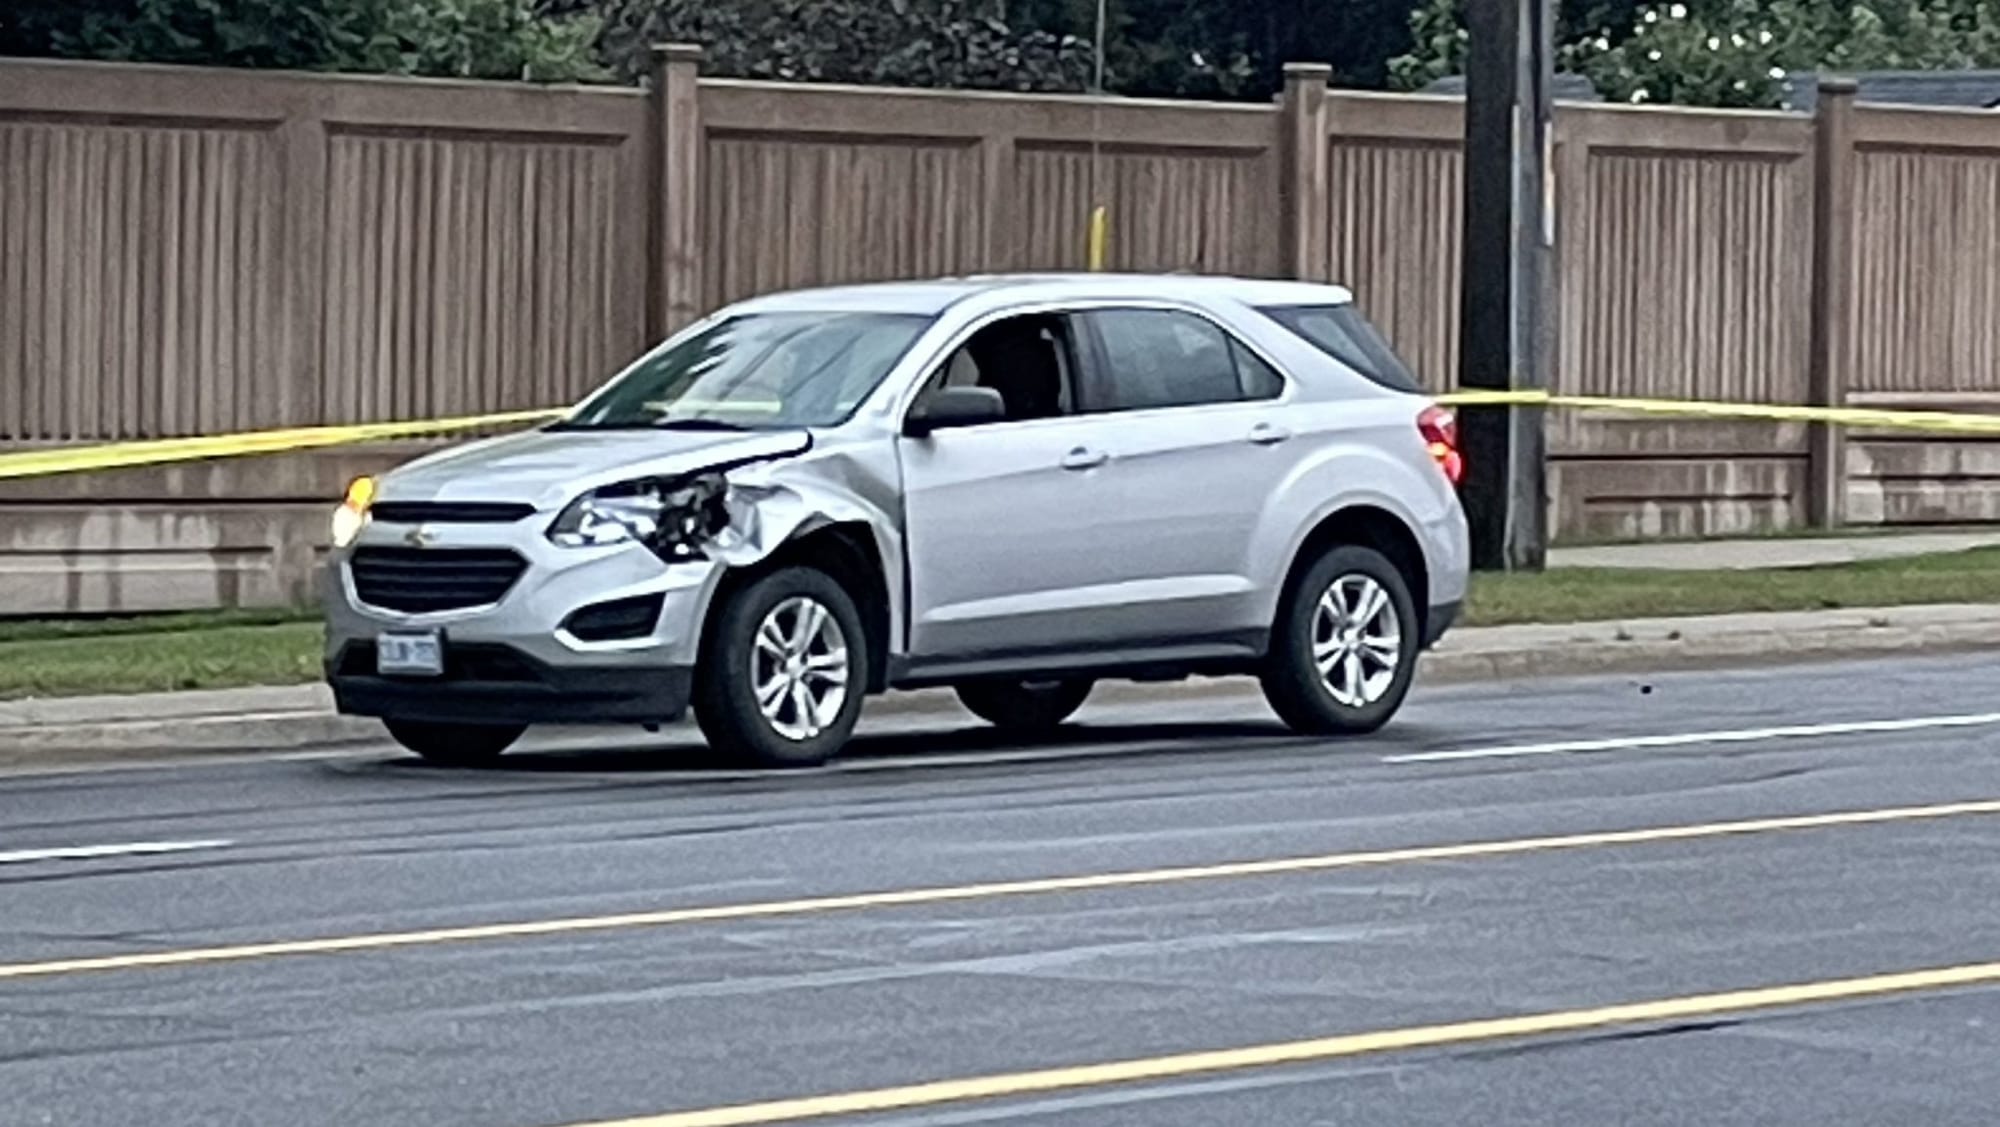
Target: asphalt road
360	939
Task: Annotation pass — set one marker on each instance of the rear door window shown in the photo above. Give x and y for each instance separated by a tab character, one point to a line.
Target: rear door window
1343	333
1164	358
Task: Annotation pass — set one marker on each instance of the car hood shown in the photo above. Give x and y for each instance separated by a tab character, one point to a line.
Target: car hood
547	468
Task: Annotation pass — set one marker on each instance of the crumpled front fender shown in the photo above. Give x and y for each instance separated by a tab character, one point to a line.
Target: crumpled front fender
773	504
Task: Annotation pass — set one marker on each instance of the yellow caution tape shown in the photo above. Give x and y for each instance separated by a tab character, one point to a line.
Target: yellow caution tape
122	455
1943	422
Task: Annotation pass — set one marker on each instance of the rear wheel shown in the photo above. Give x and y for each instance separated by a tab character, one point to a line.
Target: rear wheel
1024	706
455	745
786	666
1344	648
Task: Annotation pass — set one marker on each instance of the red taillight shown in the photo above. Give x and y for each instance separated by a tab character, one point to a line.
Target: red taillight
1440	431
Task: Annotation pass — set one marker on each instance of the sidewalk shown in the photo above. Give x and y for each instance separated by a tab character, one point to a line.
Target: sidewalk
1743	555
68	730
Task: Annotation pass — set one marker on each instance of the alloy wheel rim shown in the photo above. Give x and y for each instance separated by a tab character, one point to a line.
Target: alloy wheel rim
799	668
1357	640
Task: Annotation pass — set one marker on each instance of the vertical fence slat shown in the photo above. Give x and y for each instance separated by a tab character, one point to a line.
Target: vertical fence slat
285	249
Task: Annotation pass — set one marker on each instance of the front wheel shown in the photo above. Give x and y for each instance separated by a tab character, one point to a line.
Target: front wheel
1344	648
455	745
1023	706
786	665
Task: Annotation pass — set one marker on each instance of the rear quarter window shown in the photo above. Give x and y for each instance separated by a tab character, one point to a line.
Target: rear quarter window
1343	333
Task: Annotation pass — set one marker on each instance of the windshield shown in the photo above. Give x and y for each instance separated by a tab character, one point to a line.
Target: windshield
764	371
1343	333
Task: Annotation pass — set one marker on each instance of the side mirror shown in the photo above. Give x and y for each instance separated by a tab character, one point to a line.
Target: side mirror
954	407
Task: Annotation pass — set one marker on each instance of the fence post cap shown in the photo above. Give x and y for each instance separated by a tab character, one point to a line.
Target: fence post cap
1838	85
667	53
1308	72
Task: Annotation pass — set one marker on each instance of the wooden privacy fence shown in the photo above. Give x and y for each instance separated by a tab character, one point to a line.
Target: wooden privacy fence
189	251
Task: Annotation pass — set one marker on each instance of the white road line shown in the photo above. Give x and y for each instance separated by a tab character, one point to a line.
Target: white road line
88	852
1690	739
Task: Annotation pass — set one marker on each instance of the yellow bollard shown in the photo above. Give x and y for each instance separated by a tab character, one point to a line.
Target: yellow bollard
1099	232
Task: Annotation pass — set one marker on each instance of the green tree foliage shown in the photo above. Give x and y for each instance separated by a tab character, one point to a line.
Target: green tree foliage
489	39
1172	48
1707	52
1733	53
1230	48
1737	54
1163	48
953	43
465	38
1437	50
1156	48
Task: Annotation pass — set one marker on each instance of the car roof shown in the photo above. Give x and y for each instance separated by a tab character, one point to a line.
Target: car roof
934	296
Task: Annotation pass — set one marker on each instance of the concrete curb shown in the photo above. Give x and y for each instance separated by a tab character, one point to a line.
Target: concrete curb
59	732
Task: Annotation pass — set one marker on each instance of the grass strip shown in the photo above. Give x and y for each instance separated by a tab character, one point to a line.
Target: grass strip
231	649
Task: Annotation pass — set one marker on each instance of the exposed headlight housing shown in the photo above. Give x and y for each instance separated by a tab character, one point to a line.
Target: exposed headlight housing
674	517
352	515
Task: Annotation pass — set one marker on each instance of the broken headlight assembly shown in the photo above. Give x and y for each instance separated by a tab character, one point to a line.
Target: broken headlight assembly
673	517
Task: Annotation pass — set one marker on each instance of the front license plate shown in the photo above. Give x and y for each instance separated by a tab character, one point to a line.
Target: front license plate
409	655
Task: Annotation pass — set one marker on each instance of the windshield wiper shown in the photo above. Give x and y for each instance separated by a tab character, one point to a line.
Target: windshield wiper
697	424
569	425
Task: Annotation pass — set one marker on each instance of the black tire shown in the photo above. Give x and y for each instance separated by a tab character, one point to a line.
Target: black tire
1305	700
455	745
1024	706
725	697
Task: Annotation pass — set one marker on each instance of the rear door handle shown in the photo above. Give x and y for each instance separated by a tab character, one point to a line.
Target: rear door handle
1268	434
1084	458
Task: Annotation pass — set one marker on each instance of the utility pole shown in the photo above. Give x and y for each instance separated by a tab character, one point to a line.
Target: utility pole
1100	214
1506	311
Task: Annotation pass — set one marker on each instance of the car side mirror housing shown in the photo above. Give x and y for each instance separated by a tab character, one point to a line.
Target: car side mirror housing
948	407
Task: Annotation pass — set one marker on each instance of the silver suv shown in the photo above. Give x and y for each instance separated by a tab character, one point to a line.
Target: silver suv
1011	486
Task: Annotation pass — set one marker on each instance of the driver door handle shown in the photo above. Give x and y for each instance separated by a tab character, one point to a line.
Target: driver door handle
1084	458
1268	434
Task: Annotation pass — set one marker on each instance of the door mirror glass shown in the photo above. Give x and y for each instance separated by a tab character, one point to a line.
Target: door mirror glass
944	407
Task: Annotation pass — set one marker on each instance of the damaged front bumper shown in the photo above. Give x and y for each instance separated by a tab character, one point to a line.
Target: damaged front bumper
581	636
